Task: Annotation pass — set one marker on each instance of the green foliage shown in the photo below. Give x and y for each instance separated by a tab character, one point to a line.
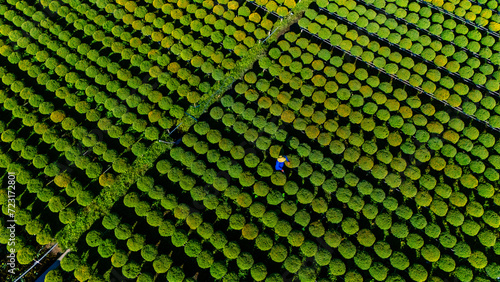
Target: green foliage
350	226
463	273
430	253
236	221
131	269
399	230
70	262
347	249
83	272
475	209
231	250
337	267
446	263
378	195
54	275
418	273
308	248
258	272
175	274
93	238
399	261
343	195
366	237
491	218
205	230
485	190
302	217
322	257
493	270
136	242
455	217
205	259
418	221
278	253
264	242
245	261
478	260
218	239
378	271
487	238
363	260
123	231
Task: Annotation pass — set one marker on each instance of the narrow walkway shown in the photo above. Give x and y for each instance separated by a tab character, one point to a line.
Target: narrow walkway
55	265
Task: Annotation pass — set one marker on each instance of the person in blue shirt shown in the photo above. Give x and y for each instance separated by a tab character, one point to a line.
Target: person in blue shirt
280	162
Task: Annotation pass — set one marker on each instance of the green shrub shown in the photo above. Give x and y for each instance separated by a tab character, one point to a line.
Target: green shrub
396	121
453	171
379	171
475	209
399	230
383	221
487	238
440	208
463	273
382	249
462	250
378	195
423	198
378	271
391	68
491	218
393	180
365	163
347	249
363	260
291	188
469	181
370	211
455	217
446	263
404	212
337	267
399	261
491	174
493	270
423	155
366	238
350	226
427	181
478	259
414	241
351	179
418	273
418	221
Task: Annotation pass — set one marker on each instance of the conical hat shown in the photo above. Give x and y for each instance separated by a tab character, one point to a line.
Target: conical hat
281	159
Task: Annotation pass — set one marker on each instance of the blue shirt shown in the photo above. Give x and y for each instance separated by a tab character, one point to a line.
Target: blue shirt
279	165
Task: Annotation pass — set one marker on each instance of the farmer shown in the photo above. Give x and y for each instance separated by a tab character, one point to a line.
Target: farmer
280	162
